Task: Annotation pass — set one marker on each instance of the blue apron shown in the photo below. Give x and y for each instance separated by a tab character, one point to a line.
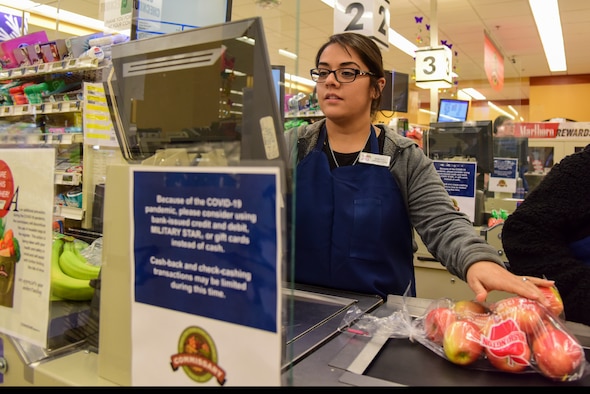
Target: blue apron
352	227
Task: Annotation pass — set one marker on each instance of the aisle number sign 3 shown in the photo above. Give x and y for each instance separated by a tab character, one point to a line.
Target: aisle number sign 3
367	17
434	67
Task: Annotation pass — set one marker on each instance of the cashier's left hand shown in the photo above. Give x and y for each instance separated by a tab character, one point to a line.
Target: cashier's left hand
485	276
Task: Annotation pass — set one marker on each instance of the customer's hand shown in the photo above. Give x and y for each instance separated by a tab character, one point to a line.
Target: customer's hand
485	276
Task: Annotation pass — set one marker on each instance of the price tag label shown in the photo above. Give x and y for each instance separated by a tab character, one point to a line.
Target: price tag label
434	65
367	17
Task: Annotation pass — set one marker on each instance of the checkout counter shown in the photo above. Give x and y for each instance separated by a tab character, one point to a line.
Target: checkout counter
321	353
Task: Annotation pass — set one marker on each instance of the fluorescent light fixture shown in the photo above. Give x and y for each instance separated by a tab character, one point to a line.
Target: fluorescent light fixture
474	94
427	111
301	80
288	54
401	43
34	7
546	13
494	106
514	111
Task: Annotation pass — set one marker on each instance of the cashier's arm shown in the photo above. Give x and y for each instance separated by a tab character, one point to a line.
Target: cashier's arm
485	276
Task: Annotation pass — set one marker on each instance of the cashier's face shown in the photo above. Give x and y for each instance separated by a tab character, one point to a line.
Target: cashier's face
506	130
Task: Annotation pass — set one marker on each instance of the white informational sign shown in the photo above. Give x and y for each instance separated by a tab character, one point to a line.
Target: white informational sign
505	175
434	66
26	215
367	17
117	14
97	123
459	178
154	17
206	298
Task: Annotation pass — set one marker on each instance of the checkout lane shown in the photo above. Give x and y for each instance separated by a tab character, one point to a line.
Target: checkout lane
321	353
353	360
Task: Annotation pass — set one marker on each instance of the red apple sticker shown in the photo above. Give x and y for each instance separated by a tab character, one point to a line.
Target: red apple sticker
527	314
6	188
505	345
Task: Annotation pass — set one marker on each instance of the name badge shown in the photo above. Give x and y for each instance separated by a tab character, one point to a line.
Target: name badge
372	158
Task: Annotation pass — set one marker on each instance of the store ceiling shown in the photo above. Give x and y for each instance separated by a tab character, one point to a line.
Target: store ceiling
461	23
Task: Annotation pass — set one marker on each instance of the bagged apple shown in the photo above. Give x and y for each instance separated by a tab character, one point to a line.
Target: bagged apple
514	335
524	333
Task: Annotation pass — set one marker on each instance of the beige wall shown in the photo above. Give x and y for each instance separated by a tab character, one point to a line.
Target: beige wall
560	97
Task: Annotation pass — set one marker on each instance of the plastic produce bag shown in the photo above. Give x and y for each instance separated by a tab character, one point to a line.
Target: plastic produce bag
512	335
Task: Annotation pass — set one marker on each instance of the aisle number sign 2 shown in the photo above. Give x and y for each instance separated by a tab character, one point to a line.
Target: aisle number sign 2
367	17
434	67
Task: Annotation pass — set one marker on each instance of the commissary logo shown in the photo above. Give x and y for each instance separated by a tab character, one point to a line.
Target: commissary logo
197	355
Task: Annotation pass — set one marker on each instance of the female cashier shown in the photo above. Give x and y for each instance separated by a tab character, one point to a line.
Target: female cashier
362	188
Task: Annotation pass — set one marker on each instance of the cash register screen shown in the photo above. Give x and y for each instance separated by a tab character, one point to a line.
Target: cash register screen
462	141
197	90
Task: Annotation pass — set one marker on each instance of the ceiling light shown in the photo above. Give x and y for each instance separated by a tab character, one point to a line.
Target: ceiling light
494	106
301	80
427	111
401	43
546	13
58	14
511	108
288	54
474	94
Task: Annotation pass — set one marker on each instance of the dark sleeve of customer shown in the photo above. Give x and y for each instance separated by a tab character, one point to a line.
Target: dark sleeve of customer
537	234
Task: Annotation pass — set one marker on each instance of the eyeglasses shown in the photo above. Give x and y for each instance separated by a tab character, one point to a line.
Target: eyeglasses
342	75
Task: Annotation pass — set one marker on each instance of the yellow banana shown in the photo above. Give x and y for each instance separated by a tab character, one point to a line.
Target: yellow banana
75	264
64	286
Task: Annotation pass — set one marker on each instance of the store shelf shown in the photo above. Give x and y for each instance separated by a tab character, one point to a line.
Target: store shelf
38	109
69	212
42	139
67	178
304	114
67	65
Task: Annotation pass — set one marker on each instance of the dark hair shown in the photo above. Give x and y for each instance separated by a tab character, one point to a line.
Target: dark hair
499	121
369	53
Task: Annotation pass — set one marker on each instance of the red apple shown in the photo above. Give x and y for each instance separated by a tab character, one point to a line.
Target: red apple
557	354
505	345
554	298
436	321
472	310
528	314
467	308
461	342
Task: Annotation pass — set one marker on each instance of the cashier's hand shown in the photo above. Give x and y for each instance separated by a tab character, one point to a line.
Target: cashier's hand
485	276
